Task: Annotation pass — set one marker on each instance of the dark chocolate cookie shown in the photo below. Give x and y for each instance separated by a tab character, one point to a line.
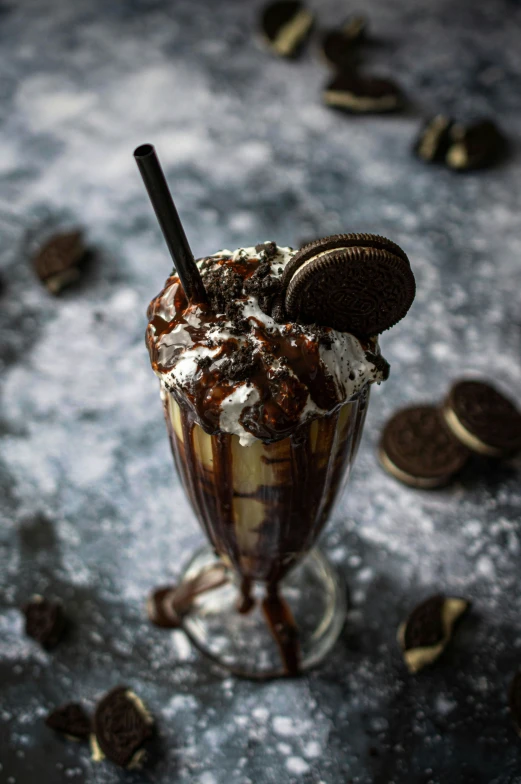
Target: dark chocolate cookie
358	94
418	449
121	726
475	146
285	25
44	621
483	419
70	720
428	630
424	626
58	260
434	139
359	283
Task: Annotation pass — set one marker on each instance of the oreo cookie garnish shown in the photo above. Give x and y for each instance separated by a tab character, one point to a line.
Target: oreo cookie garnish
380	363
483	419
263	285
285	25
475	146
434	139
428	629
418	449
44	621
57	263
357	94
122	724
224	287
241	366
268	250
514	701
70	720
358	283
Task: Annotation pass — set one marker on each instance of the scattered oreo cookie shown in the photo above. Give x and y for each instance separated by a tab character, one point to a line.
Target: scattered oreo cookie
45	621
122	725
428	630
285	26
475	146
70	720
358	94
434	139
417	448
57	263
514	701
358	283
483	419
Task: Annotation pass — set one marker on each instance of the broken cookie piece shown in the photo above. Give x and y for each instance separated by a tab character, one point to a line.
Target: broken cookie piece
428	630
57	262
362	94
45	621
122	724
71	721
285	25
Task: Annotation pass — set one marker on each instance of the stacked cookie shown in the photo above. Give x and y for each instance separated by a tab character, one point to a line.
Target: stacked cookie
425	446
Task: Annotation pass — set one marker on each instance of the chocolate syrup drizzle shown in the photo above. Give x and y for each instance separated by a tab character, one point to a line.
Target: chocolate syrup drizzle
308	467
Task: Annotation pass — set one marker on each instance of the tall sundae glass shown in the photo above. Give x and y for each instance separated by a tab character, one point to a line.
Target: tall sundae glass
265	383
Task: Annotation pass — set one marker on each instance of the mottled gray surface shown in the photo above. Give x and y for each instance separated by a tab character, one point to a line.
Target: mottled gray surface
91	510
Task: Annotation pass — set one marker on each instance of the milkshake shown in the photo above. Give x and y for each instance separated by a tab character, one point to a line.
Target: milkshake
264	418
264	413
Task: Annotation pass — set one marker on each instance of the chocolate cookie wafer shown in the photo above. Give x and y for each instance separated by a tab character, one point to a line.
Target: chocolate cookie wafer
57	262
45	621
427	631
417	448
434	139
483	419
475	146
285	25
122	724
71	721
358	283
357	94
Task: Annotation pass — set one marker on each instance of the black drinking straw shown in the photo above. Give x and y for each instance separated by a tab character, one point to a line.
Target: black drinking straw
170	223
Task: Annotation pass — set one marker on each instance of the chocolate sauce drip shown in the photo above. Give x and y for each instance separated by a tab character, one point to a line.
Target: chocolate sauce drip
246	602
223	483
283	628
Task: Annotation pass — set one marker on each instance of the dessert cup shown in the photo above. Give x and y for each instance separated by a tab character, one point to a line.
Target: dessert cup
276	606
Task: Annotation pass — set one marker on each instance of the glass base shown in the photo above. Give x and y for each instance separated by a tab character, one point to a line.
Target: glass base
312	597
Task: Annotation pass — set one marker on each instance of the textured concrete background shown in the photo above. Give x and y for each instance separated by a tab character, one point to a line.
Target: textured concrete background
91	510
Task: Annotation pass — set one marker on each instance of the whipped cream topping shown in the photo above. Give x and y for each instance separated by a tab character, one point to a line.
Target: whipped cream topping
239	370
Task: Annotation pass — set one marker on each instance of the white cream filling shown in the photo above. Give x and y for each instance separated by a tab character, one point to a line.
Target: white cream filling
360	103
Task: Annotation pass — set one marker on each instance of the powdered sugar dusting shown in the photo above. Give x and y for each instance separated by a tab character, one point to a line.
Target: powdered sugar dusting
91	510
